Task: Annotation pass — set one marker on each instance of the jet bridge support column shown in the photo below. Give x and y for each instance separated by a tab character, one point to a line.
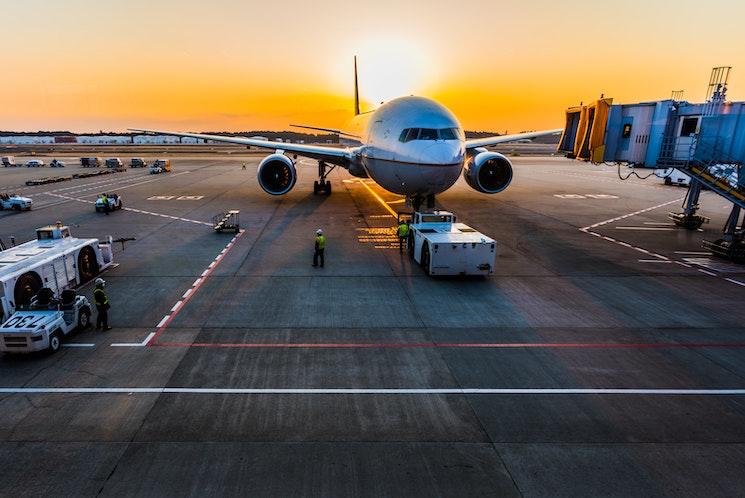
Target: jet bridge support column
732	243
688	218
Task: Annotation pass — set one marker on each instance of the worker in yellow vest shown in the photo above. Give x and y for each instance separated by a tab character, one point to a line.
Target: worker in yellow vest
101	300
319	247
403	234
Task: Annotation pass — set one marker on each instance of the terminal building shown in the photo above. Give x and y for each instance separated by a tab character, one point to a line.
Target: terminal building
704	140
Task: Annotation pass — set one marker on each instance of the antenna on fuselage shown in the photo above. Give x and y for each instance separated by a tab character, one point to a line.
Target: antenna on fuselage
356	90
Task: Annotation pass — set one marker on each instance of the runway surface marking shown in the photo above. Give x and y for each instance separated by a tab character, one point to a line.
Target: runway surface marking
380	200
186	297
629	215
484	345
373	391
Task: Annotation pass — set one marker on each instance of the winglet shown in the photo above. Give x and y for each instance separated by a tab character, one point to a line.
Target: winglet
356	90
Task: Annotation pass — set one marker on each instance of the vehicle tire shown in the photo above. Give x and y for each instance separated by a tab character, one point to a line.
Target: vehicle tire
315	187
425	258
121	205
16	207
87	264
327	189
668	181
26	287
55	342
84	319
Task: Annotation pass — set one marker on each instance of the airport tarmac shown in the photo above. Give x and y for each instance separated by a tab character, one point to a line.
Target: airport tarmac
606	356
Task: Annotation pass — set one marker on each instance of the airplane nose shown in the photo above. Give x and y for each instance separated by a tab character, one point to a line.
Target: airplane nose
445	152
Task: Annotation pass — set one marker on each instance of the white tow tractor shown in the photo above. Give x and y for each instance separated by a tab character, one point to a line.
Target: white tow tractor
55	260
114	200
15	201
444	247
44	322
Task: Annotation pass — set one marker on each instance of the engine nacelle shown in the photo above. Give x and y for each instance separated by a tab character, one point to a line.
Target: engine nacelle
277	174
488	172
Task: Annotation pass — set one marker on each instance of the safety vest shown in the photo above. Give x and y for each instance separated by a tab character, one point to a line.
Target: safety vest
100	298
403	230
321	242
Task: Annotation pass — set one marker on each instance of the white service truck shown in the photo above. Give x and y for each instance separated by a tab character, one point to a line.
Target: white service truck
444	247
44	322
15	201
55	260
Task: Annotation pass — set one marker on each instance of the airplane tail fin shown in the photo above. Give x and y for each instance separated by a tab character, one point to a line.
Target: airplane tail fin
356	90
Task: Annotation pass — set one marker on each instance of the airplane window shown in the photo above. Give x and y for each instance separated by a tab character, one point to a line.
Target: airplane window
402	136
412	135
428	134
448	134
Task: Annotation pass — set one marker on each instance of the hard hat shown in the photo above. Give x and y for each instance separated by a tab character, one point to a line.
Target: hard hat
100	281
319	231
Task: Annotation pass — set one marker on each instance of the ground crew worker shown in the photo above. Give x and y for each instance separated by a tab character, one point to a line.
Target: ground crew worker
105	200
101	300
403	234
319	247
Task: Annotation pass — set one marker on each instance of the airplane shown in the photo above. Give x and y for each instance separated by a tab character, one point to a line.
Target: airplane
412	146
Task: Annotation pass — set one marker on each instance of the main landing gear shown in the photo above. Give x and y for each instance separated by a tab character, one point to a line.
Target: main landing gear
323	186
416	201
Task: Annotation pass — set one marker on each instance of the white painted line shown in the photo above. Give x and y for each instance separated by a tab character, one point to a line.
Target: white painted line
707	272
205	272
162	321
186	294
654	261
197	282
658	229
135	344
659	224
683	264
694	253
78	345
211	265
177	305
735	281
601	223
373	391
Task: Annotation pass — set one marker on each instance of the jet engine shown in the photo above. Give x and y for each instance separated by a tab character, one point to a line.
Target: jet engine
277	174
488	172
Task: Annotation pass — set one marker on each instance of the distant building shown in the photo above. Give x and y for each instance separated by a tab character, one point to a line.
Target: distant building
104	139
26	139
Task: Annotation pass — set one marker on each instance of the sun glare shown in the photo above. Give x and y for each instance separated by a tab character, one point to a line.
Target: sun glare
391	68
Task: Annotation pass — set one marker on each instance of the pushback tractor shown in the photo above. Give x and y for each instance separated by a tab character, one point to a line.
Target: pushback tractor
444	247
55	260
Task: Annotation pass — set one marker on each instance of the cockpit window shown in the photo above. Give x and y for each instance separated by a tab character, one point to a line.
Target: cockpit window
409	134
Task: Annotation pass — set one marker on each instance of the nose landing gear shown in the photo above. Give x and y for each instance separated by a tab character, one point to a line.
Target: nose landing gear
416	200
322	186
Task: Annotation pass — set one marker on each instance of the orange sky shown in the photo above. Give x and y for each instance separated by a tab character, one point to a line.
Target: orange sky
87	65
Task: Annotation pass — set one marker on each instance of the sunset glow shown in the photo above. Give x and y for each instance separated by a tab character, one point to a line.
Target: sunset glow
239	65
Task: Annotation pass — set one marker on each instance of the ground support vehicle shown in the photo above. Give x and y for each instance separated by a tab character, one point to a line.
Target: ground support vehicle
34	163
55	260
90	162
443	247
44	322
113	162
16	202
160	166
8	161
673	176
56	164
137	162
115	202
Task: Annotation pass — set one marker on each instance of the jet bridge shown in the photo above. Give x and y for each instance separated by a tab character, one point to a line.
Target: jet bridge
704	140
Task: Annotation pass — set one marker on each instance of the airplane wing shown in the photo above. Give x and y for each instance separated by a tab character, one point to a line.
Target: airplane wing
500	139
332	155
329	130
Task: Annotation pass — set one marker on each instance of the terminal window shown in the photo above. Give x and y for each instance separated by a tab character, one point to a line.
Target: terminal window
689	127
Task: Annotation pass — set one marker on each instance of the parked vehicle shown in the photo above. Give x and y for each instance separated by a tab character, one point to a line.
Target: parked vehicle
90	162
57	164
673	176
44	322
137	162
113	162
55	260
15	201
160	166
34	163
8	161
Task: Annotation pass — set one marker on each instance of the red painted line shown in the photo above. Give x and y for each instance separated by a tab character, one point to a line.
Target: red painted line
495	345
187	297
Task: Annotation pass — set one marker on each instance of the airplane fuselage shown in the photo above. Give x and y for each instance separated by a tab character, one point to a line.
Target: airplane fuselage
411	146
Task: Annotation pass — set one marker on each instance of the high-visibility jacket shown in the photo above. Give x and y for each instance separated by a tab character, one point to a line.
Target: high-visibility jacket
105	200
320	242
403	230
100	298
